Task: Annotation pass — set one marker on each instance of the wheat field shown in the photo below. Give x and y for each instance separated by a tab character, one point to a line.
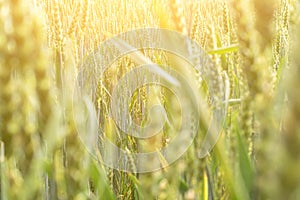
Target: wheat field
51	49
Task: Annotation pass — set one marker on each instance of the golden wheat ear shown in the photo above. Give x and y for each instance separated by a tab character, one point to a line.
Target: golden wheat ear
178	18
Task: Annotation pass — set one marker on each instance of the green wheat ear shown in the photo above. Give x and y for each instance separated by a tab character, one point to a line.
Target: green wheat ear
24	84
253	42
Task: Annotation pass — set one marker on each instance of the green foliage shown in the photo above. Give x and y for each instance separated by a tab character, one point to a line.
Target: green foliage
254	46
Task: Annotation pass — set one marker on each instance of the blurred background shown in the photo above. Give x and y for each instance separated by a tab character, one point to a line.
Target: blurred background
254	46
